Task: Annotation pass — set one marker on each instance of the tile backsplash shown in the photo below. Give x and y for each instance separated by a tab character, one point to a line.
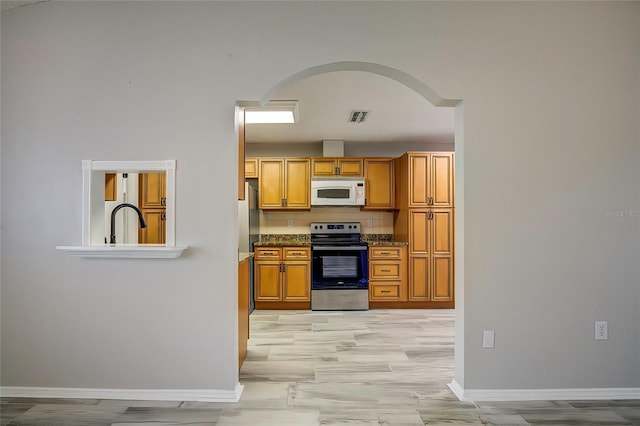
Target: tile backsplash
277	222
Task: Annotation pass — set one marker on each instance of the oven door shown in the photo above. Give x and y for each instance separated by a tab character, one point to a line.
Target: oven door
339	267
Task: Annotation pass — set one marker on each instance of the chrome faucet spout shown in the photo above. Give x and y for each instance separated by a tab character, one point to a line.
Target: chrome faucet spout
112	237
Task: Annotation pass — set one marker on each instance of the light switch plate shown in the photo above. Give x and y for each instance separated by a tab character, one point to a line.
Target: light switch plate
488	339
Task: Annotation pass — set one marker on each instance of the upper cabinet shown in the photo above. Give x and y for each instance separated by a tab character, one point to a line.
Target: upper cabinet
379	184
251	168
328	167
284	184
152	189
426	179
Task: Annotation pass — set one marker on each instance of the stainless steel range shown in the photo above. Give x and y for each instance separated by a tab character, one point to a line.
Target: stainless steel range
339	267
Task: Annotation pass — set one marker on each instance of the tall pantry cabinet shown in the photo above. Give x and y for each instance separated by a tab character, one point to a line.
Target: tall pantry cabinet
424	217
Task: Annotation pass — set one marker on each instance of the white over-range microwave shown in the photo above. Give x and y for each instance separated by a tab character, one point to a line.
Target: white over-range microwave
337	192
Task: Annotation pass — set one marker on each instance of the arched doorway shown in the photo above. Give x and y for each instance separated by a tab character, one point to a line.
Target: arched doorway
434	99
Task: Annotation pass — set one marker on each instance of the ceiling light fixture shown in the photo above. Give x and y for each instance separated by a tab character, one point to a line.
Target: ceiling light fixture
274	112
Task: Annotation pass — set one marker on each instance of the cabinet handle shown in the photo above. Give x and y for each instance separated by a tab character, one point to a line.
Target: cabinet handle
296	253
281	267
385	253
430	202
385	270
336	170
385	291
284	202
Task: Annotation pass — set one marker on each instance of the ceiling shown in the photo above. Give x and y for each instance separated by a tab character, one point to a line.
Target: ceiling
395	112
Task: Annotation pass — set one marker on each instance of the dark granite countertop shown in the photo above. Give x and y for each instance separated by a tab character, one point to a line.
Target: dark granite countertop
388	243
304	240
282	244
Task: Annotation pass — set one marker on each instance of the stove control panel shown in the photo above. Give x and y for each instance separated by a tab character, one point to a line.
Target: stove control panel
335	228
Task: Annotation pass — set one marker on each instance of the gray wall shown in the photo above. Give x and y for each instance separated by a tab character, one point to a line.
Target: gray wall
551	148
351	149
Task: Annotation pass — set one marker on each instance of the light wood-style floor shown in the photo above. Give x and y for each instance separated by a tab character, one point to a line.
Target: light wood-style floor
377	367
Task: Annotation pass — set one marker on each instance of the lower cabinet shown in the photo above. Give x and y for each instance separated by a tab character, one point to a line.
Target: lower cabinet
387	274
431	255
282	277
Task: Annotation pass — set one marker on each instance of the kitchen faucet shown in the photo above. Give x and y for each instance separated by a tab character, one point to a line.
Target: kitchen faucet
112	238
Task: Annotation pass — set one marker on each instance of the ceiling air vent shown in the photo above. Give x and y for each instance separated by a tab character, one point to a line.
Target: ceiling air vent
358	116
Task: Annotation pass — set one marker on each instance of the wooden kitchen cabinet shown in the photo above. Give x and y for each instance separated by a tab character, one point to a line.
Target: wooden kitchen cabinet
251	168
282	277
110	187
333	167
284	183
426	179
155	232
387	275
431	255
152	190
424	217
152	200
379	184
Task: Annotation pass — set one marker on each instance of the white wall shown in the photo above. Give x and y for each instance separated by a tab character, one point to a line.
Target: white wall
551	106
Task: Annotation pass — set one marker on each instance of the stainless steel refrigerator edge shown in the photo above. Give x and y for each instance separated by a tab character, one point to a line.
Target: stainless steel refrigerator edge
249	228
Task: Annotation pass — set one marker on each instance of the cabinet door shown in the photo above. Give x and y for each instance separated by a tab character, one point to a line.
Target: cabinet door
267	281
323	167
296	281
152	191
297	184
442	255
271	184
418	178
419	278
110	187
350	167
441	185
418	232
154	233
379	185
251	168
442	279
441	224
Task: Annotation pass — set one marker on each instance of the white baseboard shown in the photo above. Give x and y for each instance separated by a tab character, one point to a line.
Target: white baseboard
202	395
542	394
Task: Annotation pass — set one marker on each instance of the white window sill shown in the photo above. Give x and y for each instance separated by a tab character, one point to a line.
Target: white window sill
124	251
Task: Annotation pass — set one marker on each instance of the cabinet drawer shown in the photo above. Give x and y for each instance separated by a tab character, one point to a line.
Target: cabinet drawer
386	291
385	270
297	253
269	253
385	252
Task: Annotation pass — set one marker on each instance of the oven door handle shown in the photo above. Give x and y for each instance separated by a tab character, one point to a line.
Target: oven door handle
346	248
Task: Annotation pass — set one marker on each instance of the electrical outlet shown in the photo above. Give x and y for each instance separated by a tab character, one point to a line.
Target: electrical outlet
488	339
289	223
369	223
602	330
